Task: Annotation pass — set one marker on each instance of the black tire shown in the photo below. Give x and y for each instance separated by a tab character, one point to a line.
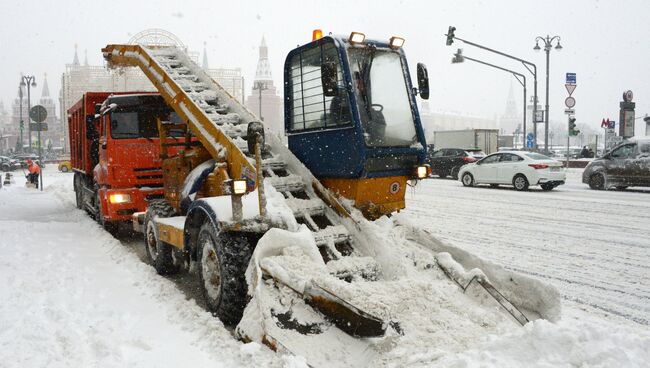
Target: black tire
443	174
5	168
223	258
597	181
159	253
454	172
78	190
468	180
520	182
111	227
547	187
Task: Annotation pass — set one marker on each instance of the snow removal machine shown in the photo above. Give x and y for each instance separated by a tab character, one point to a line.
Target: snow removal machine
292	245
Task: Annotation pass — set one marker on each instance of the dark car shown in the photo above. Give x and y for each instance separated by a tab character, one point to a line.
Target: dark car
8	164
626	165
447	161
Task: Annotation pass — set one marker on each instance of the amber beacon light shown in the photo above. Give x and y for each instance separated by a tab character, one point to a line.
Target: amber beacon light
317	34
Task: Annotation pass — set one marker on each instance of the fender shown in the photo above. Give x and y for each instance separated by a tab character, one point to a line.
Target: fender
197	212
193	183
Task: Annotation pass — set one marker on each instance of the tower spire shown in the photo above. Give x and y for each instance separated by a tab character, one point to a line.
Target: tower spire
75	61
205	58
263	72
46	89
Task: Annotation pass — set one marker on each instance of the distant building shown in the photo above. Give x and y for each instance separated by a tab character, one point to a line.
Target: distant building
53	137
78	79
511	120
433	121
271	100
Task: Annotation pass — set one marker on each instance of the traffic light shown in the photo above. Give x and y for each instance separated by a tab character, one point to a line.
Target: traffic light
572	127
450	35
22	125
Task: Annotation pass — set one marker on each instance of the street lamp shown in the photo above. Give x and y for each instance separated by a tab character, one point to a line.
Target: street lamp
21	124
532	68
548	44
29	80
459	58
260	86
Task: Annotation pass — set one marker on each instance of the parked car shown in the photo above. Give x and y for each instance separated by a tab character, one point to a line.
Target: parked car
65	166
626	165
517	168
447	161
23	157
8	164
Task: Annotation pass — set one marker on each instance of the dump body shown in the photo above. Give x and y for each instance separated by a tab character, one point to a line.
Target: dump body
484	139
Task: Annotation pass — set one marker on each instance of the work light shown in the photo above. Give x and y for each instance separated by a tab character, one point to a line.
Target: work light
239	187
396	42
356	37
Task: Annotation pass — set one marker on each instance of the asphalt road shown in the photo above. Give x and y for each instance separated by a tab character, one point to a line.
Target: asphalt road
594	246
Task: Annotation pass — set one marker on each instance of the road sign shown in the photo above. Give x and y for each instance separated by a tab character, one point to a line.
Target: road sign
38	127
38	113
570	102
570	78
570	88
569	111
539	116
530	136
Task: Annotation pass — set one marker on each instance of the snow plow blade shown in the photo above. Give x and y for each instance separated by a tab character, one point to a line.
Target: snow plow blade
350	319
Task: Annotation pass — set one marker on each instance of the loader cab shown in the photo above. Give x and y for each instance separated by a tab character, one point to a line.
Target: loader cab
351	118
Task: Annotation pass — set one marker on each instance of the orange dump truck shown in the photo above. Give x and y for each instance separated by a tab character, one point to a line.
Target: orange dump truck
115	153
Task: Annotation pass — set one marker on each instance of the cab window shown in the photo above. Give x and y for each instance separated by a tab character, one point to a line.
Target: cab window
308	107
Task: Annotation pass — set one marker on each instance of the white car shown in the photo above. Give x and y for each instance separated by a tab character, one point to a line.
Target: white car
517	168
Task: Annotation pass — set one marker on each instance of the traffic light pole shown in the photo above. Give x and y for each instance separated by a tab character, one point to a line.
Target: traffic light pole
526	64
568	138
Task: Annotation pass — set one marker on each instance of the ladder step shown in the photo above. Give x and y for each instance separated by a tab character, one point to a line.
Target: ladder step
273	163
334	234
287	184
311	207
221	119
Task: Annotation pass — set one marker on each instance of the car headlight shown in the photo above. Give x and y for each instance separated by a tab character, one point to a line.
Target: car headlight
119	198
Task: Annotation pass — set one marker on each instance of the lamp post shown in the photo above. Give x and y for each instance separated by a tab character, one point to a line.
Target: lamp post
21	125
29	80
459	58
532	68
548	44
260	86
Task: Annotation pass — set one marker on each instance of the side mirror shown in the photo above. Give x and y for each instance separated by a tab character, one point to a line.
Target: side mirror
98	108
423	81
329	79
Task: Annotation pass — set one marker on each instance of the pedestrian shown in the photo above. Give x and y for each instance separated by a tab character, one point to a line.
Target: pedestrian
584	153
591	153
34	172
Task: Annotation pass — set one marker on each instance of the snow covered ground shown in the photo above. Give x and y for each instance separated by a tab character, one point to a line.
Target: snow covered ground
74	296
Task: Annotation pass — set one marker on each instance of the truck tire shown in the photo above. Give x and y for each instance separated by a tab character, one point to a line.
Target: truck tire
111	227
78	191
160	254
223	258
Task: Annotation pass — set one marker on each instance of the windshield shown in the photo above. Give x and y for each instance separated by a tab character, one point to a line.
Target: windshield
139	124
383	97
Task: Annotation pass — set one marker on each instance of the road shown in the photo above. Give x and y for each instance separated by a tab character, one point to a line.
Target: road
594	246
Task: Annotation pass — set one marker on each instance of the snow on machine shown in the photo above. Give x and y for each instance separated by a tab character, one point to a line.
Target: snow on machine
292	245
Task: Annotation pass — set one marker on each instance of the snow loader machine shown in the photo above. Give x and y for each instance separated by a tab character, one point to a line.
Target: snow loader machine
292	245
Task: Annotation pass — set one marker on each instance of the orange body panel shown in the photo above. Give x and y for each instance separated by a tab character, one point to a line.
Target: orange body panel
373	196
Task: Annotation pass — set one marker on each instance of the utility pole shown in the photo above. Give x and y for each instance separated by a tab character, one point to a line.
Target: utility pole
260	86
548	43
29	81
21	124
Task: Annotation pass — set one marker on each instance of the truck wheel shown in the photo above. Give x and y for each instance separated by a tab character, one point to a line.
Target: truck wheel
597	181
160	254
78	191
111	227
520	182
223	259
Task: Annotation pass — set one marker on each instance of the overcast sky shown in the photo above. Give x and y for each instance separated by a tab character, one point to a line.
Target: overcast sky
605	42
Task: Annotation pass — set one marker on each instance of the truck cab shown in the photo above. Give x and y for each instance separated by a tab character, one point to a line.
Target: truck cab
351	118
128	173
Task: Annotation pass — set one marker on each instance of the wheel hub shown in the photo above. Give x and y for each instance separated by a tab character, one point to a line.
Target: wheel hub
211	270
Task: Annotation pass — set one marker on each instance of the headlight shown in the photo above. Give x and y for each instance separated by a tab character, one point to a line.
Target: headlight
356	37
119	198
422	171
239	186
396	42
